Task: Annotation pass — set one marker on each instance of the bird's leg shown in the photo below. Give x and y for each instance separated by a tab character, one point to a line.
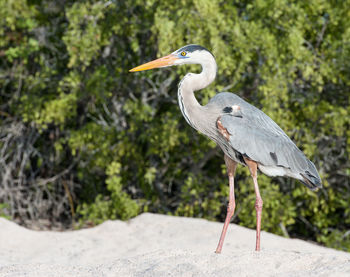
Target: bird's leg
231	168
253	168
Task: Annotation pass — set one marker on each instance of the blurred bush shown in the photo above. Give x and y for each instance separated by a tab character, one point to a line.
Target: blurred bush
83	140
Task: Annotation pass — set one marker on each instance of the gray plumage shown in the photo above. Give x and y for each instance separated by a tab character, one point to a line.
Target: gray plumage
257	136
253	134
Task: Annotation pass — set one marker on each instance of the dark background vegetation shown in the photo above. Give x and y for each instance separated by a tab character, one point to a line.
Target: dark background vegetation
83	140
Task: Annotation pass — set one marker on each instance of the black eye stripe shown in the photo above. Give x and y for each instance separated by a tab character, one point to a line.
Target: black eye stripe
192	48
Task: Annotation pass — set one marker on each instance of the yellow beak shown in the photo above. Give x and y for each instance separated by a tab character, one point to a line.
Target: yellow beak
162	62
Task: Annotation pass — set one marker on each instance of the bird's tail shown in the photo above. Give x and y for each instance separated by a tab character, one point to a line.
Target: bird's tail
311	178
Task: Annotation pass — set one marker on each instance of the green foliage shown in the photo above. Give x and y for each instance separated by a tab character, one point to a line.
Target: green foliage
85	135
117	205
84	36
199	198
3	208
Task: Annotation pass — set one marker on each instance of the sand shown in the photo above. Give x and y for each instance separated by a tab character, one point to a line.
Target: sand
159	245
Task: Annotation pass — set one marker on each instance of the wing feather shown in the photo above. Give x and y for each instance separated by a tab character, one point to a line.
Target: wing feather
261	142
256	135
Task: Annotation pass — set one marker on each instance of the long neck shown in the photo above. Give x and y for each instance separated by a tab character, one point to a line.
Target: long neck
192	111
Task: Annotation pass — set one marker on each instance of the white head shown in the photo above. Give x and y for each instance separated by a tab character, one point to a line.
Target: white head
189	54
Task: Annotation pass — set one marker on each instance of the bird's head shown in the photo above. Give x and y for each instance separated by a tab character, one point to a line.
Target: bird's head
189	54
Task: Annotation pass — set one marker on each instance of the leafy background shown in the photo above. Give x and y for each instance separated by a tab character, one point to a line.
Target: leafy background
83	140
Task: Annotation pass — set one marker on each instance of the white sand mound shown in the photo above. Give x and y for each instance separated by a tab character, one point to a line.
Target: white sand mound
158	245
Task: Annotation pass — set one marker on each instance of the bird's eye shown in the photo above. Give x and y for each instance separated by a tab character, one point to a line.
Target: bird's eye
183	53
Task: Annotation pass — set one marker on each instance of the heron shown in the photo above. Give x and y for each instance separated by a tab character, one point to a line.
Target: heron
246	135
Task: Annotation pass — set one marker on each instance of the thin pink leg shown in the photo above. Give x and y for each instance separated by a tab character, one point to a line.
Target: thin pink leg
253	168
231	168
258	208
